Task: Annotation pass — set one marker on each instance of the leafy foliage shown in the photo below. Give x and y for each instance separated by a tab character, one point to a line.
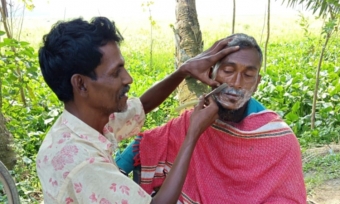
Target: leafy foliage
28	124
288	84
323	6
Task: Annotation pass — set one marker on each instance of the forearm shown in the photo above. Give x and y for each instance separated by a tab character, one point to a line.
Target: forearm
172	186
154	96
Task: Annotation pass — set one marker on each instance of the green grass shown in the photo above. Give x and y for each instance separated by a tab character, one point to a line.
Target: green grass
320	169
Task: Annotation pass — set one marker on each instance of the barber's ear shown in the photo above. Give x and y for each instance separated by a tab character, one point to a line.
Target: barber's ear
79	85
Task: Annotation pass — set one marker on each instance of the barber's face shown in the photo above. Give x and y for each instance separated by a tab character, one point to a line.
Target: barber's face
108	93
240	70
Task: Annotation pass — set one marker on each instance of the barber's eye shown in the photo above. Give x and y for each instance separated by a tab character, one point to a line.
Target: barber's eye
117	72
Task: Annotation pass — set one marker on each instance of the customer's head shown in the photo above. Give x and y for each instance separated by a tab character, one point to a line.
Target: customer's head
240	70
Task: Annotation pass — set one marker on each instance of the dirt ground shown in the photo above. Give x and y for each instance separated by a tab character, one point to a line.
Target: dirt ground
329	191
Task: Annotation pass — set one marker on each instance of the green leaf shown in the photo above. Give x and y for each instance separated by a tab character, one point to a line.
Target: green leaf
296	107
336	90
292	117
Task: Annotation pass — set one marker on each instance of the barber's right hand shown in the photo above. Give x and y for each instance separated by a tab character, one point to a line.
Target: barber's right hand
203	116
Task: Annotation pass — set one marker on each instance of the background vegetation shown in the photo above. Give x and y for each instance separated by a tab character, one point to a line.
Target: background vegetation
287	87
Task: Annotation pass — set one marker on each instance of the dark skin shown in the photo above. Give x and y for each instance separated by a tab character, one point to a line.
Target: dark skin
240	70
95	100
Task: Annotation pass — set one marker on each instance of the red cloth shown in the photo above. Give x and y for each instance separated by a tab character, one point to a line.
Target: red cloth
255	161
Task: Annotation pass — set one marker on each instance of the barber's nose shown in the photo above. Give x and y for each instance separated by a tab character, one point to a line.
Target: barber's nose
127	78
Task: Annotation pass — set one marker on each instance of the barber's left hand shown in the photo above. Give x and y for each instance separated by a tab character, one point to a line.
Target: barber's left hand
200	66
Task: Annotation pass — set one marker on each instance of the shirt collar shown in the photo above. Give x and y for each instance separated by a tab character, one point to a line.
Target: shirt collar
86	132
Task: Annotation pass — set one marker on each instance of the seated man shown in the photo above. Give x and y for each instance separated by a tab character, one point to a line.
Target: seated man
249	155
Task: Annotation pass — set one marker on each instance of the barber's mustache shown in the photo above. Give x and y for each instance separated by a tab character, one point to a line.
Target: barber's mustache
124	90
231	90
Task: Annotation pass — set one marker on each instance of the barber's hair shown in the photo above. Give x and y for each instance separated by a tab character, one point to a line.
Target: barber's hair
244	42
72	47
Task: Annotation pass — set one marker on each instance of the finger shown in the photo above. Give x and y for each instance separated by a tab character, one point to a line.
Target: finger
201	102
212	108
209	81
219	45
215	44
216	57
206	102
205	77
211	101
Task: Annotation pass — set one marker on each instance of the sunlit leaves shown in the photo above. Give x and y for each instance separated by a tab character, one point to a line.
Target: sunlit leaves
320	7
28	4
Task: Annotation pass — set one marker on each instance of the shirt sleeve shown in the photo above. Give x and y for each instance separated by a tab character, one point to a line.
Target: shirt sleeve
129	122
100	182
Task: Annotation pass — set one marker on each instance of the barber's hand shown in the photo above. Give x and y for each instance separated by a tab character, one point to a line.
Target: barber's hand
199	67
205	113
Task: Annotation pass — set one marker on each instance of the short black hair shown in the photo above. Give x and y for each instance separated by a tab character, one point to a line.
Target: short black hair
72	47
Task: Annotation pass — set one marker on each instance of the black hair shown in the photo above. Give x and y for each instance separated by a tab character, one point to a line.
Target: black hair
72	47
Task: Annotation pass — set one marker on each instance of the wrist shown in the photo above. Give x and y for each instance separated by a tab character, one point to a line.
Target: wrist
193	135
182	71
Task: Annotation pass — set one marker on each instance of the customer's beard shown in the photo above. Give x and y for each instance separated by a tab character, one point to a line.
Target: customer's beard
227	115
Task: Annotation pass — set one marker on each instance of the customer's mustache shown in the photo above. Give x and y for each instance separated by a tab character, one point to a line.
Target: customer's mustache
230	90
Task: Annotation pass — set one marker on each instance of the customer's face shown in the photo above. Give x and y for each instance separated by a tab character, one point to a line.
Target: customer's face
240	70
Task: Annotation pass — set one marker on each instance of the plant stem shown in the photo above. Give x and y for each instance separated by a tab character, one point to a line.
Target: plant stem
315	97
234	11
151	40
267	40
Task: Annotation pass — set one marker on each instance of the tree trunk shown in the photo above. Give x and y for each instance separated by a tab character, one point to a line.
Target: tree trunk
7	155
234	12
189	43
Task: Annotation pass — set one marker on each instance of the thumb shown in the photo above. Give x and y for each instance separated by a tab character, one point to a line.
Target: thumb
212	83
200	103
205	78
